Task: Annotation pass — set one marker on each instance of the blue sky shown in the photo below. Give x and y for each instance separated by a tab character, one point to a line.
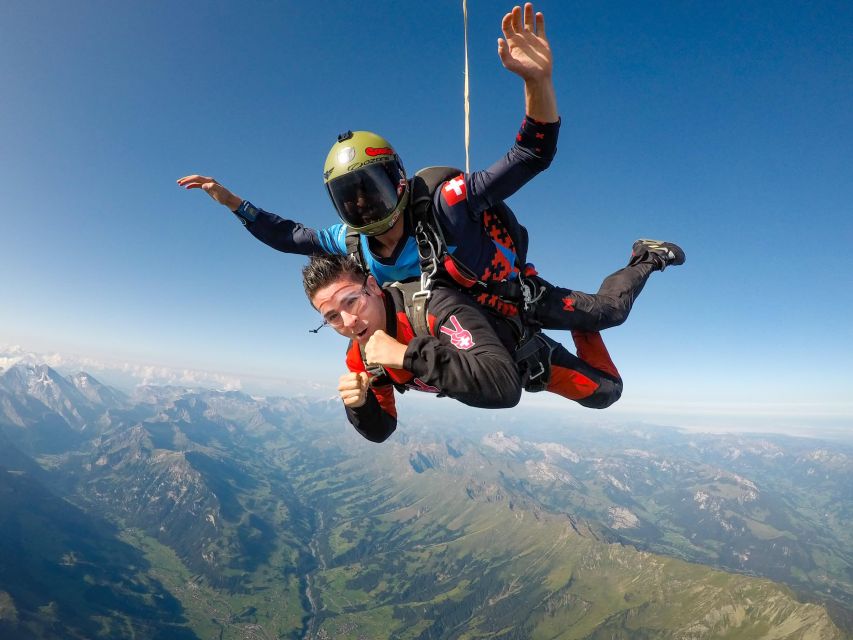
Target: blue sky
725	126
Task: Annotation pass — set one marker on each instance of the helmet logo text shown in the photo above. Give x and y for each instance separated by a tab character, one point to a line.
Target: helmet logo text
359	165
379	151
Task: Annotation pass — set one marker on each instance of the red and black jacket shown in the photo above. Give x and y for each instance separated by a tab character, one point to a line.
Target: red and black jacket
463	358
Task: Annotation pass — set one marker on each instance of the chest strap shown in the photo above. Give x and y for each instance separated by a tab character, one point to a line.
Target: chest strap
415	304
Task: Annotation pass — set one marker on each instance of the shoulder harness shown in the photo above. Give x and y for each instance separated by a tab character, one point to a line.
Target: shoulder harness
533	348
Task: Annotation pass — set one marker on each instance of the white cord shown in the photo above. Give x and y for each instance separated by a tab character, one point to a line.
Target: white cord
467	104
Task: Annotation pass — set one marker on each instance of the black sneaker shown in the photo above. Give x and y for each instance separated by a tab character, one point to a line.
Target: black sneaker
667	253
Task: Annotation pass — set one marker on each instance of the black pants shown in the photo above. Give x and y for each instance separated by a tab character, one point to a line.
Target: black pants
560	308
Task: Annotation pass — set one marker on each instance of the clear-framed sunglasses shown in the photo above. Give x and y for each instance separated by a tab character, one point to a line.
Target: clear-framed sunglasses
351	304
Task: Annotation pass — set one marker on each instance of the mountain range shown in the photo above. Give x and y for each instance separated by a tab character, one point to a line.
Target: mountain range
189	513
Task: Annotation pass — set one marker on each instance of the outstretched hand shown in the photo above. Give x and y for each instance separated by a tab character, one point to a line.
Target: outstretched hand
213	188
524	49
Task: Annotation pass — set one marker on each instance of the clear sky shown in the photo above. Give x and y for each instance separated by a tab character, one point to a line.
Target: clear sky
724	126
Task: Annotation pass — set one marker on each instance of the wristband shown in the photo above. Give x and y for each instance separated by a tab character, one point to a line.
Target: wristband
247	212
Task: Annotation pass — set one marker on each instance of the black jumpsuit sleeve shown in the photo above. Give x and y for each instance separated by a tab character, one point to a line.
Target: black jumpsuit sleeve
464	357
371	420
534	149
290	236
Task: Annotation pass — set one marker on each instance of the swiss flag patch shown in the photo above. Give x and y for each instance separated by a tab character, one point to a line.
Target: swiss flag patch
453	191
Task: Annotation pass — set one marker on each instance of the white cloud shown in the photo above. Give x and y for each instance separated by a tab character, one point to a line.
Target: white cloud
132	373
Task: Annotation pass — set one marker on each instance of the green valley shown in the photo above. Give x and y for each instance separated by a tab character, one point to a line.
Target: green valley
193	513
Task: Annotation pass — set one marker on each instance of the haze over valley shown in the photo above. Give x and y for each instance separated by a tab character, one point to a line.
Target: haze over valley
177	512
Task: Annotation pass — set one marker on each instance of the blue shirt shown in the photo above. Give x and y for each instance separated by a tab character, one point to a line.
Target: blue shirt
464	207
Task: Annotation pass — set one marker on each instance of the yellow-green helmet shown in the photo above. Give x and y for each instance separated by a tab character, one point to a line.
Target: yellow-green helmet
366	182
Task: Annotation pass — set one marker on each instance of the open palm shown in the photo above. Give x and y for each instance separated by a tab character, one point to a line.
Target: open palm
524	49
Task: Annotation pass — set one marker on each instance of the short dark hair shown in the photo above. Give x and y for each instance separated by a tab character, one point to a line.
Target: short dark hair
323	269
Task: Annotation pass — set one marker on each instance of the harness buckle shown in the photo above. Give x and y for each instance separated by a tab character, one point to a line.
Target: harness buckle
541	371
375	371
426	291
534	358
526	294
529	293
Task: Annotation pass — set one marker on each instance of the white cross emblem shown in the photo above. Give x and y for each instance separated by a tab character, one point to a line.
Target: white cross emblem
455	186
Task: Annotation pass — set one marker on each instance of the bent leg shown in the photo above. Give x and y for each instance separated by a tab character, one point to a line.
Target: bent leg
590	378
561	308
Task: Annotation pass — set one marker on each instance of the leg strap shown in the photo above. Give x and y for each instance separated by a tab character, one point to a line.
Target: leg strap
533	357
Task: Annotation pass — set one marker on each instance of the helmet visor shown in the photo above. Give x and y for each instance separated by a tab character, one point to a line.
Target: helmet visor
368	195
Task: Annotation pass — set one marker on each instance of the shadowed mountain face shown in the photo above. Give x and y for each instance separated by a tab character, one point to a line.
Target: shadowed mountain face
185	513
65	574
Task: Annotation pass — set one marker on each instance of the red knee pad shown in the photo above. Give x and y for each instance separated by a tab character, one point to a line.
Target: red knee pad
591	349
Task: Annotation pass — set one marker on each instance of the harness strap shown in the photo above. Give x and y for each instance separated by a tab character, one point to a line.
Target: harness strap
378	375
353	245
510	290
415	303
533	357
459	274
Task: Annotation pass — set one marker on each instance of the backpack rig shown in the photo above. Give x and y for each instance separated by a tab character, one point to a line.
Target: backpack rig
514	301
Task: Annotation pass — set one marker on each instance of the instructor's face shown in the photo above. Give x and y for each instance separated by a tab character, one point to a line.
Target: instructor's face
353	308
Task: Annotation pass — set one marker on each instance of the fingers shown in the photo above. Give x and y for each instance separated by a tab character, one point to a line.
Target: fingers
348	381
506	25
513	23
503	50
212	188
195	181
374	341
353	398
352	388
371	348
353	381
194	178
381	349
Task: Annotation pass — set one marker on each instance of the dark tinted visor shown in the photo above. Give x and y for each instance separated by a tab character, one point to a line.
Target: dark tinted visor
366	196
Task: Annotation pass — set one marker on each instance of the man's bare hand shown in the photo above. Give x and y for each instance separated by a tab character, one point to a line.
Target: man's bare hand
524	49
213	188
353	388
385	350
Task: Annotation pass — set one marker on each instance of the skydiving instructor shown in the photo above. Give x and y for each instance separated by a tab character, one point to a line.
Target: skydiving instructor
371	195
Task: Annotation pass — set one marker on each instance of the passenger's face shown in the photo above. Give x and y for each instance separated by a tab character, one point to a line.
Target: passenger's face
353	308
